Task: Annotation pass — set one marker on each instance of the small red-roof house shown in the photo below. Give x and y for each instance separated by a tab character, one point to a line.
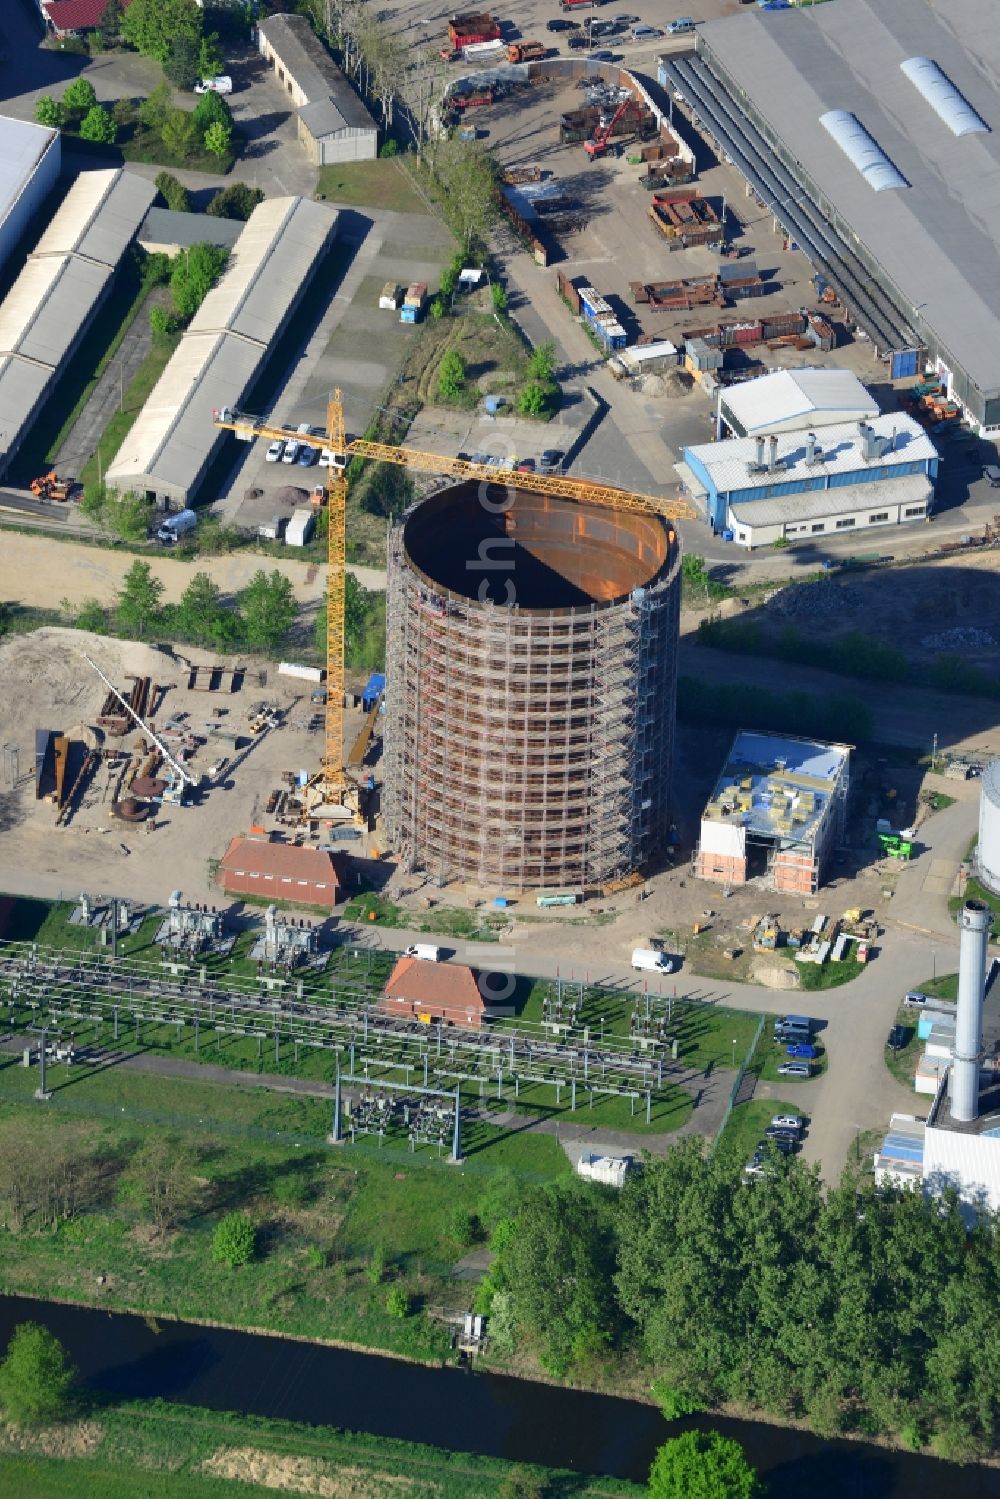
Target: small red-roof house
279	871
429	991
71	17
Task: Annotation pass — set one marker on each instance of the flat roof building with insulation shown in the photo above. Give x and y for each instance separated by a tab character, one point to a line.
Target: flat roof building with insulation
778	811
64	281
169	450
531	669
870	130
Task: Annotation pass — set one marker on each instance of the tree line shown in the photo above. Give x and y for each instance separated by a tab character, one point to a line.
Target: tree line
259	618
860	1308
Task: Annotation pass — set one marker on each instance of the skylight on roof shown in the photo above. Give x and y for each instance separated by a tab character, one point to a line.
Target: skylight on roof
862	150
943	97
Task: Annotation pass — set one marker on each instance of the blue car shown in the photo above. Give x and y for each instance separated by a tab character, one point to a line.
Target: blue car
801	1049
307	456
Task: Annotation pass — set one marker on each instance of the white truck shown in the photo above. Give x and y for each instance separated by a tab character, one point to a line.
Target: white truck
648	960
424	950
176	526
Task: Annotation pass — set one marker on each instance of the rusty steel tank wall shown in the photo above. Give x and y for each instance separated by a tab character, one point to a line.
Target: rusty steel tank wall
531	669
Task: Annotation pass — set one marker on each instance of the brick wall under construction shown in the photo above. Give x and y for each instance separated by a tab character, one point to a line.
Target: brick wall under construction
531	665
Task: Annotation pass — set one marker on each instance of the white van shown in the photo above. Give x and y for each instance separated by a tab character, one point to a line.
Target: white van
223	84
426	951
648	960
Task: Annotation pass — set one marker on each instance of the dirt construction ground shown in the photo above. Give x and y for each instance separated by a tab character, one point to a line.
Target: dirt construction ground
46	684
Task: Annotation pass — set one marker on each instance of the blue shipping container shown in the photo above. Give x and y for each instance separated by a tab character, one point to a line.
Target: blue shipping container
903	364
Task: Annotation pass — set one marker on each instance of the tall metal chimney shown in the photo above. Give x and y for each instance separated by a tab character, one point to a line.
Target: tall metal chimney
810	447
772	462
974	925
760	452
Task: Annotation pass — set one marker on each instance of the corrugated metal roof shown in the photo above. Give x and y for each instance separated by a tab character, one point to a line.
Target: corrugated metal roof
728	463
939	241
99	216
794	399
22	146
942	96
21	387
275	253
968	1162
47	305
307	61
174	432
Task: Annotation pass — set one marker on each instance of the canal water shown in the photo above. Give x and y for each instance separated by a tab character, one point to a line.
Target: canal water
486	1413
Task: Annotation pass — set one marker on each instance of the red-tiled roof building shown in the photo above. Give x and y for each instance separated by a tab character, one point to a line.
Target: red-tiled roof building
279	871
429	991
68	17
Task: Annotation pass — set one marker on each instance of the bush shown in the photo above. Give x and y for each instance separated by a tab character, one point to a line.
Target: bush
451	375
97	125
36	1377
211	109
702	1465
376	1265
397	1301
49	112
234	1241
531	399
498	297
462	1227
218	138
79	96
235	202
388	148
173	192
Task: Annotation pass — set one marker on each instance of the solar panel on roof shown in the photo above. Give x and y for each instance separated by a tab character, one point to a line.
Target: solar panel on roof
862	150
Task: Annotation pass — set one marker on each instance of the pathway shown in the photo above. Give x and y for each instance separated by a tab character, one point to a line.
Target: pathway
106	398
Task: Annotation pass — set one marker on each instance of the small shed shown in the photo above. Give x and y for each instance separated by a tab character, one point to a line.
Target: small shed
279	871
333	123
300	527
426	991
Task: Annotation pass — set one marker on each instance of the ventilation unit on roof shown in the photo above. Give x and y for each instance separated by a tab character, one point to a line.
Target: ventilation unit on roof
862	150
943	97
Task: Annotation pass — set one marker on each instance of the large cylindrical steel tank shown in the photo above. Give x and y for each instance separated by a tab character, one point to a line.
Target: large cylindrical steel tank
988	848
531	666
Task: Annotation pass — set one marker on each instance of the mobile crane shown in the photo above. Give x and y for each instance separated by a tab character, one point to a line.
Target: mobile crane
333	792
601	141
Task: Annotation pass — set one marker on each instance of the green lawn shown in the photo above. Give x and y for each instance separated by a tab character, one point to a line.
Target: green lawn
444	921
320	1209
746	1125
975	891
370	184
829	975
145	1449
136	395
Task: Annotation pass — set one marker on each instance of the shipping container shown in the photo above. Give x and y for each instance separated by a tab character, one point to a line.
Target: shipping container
467	29
903	364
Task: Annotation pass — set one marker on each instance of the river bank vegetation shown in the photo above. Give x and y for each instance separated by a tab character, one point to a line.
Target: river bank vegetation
860	1309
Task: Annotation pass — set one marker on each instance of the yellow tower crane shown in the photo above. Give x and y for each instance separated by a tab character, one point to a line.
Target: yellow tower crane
332	790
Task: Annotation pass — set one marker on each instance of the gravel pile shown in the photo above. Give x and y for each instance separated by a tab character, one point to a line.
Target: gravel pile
822	597
962	638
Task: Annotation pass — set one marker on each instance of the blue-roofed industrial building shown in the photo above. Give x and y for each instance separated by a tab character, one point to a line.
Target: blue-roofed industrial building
757	490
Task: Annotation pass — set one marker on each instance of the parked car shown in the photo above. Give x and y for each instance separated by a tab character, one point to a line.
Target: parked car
789	1121
560	25
991	473
307	456
626	20
291	453
774	1133
802	1049
914	1000
784	1143
898	1037
576	42
679	27
551	461
645	33
795	1069
602	56
275	451
221	85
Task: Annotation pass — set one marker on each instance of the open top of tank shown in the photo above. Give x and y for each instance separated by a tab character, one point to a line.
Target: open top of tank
534	550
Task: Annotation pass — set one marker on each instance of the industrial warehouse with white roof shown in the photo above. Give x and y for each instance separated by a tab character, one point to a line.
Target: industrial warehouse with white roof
792	401
167	453
871	130
65	279
30	157
758	489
